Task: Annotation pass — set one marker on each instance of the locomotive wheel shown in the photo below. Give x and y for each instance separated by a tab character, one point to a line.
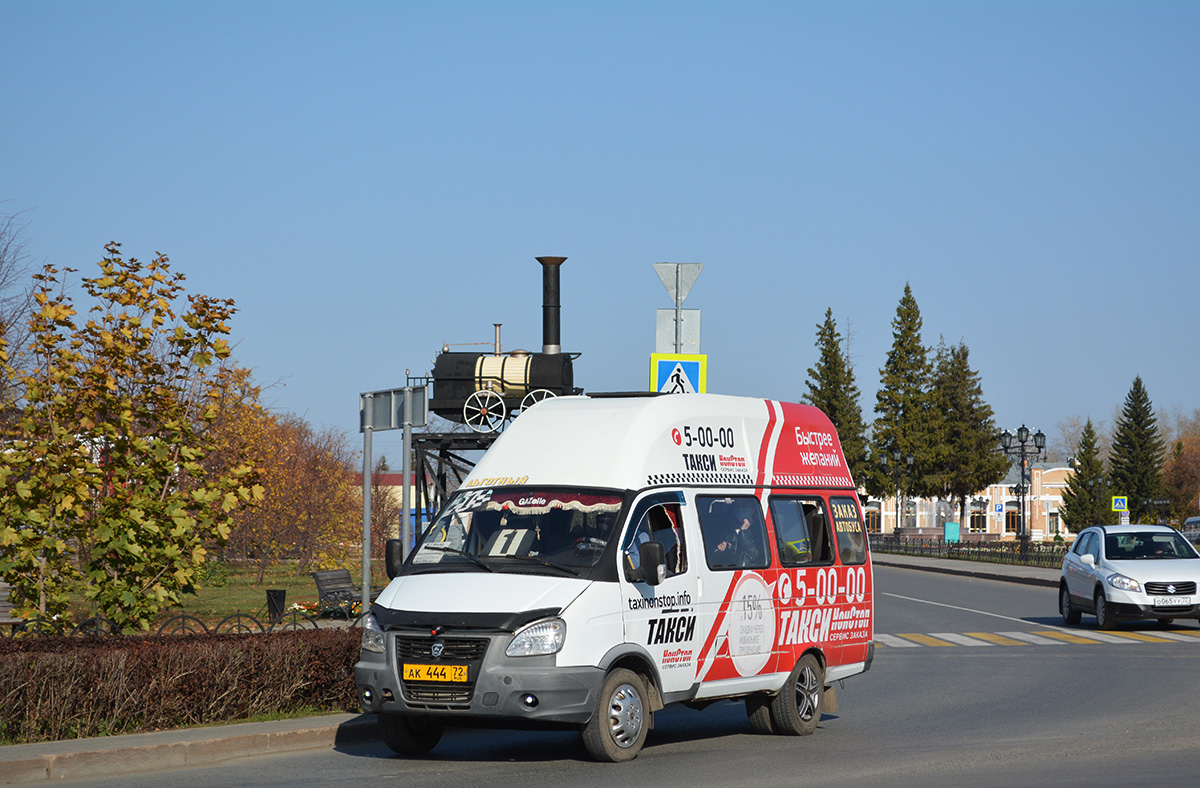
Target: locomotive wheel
534	397
484	411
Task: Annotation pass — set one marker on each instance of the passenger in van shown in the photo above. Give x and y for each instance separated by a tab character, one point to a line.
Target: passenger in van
744	546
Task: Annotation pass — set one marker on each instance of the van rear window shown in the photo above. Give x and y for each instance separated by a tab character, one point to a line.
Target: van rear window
852	543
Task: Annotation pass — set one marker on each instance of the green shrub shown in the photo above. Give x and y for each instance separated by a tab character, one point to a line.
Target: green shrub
55	688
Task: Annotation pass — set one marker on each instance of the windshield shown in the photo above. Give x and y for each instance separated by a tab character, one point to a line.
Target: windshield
539	530
1146	545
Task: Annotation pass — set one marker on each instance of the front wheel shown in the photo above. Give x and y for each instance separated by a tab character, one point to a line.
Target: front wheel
620	721
1104	619
796	710
410	734
1069	614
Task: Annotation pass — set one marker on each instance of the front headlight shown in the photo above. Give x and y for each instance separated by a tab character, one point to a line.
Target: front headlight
538	639
1124	583
372	635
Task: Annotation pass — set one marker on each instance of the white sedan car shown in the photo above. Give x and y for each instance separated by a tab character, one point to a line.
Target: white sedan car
1129	572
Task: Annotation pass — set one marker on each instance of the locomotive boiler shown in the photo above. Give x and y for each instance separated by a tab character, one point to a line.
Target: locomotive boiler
482	390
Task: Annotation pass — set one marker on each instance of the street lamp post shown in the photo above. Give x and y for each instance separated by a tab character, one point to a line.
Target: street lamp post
1023	451
897	469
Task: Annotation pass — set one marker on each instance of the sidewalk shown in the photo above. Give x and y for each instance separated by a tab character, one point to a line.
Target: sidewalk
1031	575
110	756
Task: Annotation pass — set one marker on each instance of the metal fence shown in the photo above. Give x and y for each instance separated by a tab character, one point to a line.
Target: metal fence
1047	554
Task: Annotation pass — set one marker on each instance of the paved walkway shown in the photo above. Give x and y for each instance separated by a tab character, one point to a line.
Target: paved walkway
25	764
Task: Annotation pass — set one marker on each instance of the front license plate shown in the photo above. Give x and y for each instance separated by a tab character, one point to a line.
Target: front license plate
435	672
1172	601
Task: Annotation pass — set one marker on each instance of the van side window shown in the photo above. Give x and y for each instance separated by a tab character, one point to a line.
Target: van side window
657	518
735	536
852	543
801	530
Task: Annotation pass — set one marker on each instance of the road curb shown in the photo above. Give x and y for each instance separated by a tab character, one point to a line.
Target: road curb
23	764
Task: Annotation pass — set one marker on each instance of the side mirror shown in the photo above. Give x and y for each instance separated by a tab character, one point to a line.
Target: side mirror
653	560
393	557
1087	559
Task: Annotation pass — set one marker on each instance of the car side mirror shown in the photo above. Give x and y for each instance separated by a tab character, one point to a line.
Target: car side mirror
652	559
1087	559
393	557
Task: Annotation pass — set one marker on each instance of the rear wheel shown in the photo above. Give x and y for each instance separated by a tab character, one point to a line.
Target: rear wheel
410	734
1069	614
796	710
620	721
1104	619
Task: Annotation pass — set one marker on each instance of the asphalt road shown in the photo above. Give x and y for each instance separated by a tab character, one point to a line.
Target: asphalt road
956	699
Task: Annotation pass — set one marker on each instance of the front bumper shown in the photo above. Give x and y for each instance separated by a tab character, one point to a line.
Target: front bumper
1133	608
498	687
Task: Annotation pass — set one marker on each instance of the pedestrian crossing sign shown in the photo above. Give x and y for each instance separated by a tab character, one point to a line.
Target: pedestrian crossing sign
1120	503
678	373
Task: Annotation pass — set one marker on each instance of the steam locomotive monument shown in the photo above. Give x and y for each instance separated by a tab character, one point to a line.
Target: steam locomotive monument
485	390
482	390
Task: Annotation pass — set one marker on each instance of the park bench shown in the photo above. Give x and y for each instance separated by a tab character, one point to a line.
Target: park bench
336	592
6	616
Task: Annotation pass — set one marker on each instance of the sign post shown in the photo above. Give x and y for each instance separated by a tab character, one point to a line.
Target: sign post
406	407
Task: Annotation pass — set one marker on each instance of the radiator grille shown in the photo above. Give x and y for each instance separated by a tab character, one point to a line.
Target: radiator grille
456	651
1163	589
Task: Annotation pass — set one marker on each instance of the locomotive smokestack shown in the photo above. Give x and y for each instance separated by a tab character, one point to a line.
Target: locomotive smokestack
551	343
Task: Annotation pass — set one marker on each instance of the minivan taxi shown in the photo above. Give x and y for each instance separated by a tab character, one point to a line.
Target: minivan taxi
609	555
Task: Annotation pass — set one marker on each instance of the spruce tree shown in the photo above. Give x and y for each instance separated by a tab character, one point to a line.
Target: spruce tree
831	388
1137	454
1086	500
963	459
902	404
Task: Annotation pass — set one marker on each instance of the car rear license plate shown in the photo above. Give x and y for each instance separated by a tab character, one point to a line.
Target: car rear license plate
1172	601
455	673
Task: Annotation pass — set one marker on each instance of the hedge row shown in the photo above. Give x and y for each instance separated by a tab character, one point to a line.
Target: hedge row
56	688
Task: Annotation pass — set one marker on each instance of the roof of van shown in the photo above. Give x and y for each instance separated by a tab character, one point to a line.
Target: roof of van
680	439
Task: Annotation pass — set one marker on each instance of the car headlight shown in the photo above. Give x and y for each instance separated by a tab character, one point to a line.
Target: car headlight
372	635
1124	583
539	638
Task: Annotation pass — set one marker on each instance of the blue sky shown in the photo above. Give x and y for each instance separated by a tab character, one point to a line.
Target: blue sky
370	180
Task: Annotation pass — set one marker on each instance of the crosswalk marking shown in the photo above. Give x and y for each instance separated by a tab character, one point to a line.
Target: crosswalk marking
895	642
1179	636
962	640
995	637
1029	637
1070	637
1141	637
1046	637
926	640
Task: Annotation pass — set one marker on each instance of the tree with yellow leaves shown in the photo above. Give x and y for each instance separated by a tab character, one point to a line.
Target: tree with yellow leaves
104	480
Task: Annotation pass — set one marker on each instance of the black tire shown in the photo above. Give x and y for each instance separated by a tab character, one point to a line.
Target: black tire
621	719
758	709
796	709
410	734
1069	614
1104	619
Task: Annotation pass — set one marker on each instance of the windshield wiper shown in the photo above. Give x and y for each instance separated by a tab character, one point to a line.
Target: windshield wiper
473	559
542	561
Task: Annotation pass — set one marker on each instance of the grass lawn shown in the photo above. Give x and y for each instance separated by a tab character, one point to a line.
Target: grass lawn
239	591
